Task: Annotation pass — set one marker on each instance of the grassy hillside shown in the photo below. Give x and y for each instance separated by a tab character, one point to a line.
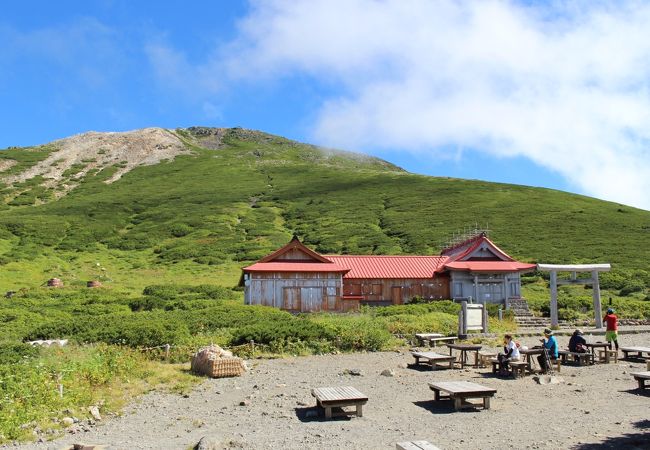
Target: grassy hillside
200	217
182	226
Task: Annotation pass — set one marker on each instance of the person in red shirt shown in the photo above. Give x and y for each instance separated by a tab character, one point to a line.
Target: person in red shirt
611	333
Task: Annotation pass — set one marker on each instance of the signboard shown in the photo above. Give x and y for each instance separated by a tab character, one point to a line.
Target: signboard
474	317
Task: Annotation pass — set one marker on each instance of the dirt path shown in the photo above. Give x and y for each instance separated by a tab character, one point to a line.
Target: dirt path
594	405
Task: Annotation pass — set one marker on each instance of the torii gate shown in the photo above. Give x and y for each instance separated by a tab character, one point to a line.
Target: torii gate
574	268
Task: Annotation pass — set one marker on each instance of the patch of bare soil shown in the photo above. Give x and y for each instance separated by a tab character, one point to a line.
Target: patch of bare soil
595	407
6	164
93	150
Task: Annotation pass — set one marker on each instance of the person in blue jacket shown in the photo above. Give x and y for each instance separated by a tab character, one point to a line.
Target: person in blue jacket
550	344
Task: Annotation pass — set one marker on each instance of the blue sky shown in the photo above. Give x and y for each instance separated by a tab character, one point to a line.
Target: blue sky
550	94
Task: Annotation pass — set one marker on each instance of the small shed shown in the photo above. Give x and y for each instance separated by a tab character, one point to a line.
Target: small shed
295	278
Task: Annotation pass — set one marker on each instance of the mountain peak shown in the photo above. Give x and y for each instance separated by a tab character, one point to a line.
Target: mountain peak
73	157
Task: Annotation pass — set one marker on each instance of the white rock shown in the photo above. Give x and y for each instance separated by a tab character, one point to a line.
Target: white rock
67	421
94	411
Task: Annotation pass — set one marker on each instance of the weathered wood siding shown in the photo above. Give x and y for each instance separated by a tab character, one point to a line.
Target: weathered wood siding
299	292
294	255
397	291
491	288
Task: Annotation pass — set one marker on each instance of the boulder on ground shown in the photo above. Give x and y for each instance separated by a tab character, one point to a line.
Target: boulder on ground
548	379
208	443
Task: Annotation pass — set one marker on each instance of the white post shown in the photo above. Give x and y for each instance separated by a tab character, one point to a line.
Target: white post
554	316
463	311
596	294
485	317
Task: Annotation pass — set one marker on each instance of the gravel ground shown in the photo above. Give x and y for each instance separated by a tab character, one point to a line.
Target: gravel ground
271	406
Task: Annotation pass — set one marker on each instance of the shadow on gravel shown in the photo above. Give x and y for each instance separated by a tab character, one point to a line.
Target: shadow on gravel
628	441
316	414
422	368
443	407
637	391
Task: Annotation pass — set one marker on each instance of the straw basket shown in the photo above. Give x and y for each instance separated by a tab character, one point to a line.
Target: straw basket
215	362
225	367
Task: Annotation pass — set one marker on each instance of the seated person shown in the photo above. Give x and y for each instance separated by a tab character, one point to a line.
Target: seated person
577	343
550	344
511	353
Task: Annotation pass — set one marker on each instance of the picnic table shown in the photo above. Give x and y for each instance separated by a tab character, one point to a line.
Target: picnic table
460	391
528	353
641	378
434	341
638	350
424	337
433	359
596	345
464	349
339	397
580	358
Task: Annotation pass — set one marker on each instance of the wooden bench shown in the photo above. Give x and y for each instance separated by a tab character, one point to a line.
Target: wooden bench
485	357
460	391
339	397
606	355
580	358
641	378
638	350
415	445
445	339
434	359
424	337
515	368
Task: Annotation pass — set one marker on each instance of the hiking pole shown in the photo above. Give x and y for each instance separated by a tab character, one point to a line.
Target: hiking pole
549	365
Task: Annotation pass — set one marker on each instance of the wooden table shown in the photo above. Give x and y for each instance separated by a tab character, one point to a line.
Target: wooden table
460	391
528	354
641	377
433	359
638	350
433	342
594	345
464	349
338	397
424	337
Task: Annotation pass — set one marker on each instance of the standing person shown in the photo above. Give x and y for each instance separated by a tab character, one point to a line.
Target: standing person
550	344
510	353
611	333
577	343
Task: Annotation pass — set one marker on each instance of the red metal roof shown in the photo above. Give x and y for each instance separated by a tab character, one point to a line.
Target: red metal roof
489	266
295	267
372	266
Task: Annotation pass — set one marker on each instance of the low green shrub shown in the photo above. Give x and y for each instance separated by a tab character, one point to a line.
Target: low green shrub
630	287
15	352
282	331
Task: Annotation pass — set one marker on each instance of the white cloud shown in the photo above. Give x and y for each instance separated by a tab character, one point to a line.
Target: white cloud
564	84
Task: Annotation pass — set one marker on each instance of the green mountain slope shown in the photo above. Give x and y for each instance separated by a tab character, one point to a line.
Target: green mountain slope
239	194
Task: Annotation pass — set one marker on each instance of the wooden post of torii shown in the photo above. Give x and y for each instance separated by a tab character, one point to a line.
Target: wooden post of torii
574	268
